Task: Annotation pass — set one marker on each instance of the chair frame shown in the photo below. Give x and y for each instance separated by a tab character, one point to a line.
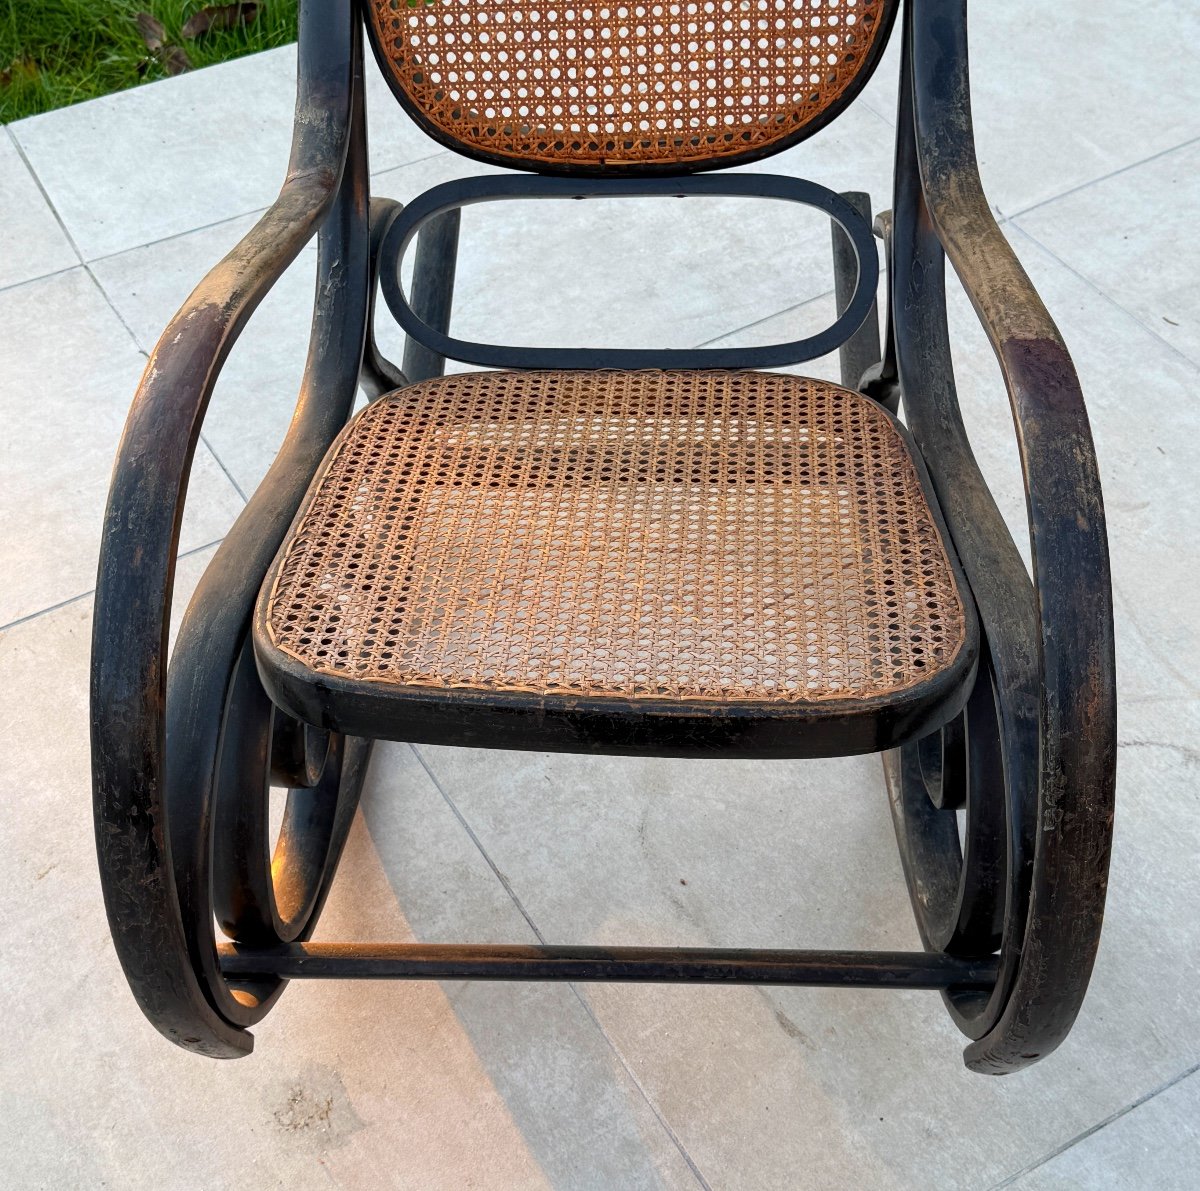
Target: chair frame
1010	923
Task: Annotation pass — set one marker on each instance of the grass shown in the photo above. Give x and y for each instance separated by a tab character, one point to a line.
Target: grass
57	52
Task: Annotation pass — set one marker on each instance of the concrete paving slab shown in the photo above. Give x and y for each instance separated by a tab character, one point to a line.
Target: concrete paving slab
70	370
32	243
135	167
1153	1145
1110	231
406	1085
1062	97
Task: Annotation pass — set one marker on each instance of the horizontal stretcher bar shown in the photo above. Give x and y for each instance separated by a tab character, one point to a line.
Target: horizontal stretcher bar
651	965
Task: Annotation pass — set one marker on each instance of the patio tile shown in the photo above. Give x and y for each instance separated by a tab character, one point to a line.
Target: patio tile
405	1085
621	272
32	243
254	398
70	372
130	168
1149	451
863	1088
1111	232
135	167
1147	473
1154	1145
1050	114
256	393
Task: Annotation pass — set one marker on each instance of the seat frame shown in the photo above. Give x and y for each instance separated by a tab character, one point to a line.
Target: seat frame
183	758
631	727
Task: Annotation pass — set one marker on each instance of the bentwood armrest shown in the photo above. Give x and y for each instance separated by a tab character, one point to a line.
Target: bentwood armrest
1069	551
141	534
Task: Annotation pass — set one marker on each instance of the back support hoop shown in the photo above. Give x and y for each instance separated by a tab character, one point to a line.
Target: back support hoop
452	196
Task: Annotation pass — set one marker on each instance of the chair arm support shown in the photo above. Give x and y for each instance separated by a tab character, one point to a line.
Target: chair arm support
1069	554
141	535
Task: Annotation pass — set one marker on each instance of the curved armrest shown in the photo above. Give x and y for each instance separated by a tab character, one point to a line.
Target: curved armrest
141	534
1072	587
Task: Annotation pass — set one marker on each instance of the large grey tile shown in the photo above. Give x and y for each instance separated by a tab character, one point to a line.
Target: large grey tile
167	157
70	371
1133	237
650	272
163	159
259	382
1066	96
403	1085
1147	432
622	272
254	398
1155	1145
862	1089
858	1089
32	243
1147	462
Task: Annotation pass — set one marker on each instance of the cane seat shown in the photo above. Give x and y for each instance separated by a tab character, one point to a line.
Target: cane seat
619	543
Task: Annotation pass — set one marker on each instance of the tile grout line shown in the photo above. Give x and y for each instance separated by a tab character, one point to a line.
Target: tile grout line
766	318
40	277
203	227
1133	165
1182	355
137	343
478	844
83	595
1108	1120
87	268
507	886
37	181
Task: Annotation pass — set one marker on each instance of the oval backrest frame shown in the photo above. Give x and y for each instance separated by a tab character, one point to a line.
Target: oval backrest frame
511	36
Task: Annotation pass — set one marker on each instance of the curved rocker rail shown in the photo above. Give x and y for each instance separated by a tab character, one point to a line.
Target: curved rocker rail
136	777
1051	642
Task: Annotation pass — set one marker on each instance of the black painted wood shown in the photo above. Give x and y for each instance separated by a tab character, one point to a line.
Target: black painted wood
1023	743
632	965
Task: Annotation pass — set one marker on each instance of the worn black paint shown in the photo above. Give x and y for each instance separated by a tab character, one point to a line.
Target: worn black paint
1026	742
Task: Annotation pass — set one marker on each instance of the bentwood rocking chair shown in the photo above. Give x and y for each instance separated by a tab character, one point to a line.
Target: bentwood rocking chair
669	553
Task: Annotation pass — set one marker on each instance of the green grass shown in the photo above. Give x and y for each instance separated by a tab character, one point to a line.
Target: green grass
56	52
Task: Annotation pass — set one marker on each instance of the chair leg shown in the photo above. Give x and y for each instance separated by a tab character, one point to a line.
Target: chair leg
968	893
861	351
432	291
378	375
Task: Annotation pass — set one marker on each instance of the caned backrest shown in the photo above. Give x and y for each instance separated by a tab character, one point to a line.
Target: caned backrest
614	86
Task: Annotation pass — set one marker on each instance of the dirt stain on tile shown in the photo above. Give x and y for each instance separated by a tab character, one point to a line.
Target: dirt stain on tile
313	1108
792	1030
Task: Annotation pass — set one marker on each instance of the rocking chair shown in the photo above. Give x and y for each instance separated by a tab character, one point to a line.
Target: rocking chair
669	553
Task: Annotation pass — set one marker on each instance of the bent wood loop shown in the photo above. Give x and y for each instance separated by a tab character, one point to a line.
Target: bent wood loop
1076	763
141	536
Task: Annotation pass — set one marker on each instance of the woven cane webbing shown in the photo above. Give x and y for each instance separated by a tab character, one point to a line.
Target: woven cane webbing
678	535
617	83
